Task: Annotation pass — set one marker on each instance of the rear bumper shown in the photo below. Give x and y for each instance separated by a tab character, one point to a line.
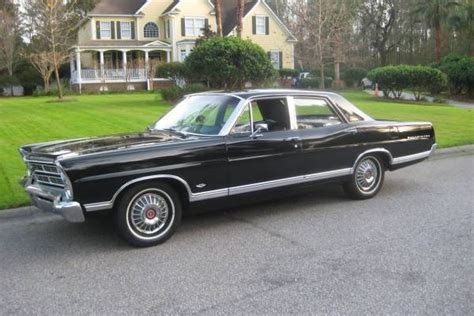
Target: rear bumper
49	202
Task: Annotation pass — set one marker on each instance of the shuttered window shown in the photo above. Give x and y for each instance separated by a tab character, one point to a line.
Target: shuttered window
125	30
105	30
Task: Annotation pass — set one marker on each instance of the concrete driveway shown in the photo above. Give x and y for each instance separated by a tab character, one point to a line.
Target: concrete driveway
408	251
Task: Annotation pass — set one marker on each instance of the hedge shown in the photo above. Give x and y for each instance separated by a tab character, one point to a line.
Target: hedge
460	72
315	83
353	76
392	80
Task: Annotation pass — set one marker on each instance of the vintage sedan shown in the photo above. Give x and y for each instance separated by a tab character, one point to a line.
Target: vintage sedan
215	146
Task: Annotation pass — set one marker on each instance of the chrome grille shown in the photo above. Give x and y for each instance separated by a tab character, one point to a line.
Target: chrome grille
45	173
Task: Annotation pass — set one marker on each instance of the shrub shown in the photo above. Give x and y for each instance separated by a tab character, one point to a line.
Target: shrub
315	83
175	70
460	72
353	76
175	93
393	80
229	62
425	80
288	73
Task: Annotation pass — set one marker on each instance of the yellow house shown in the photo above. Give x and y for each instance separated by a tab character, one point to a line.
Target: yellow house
119	39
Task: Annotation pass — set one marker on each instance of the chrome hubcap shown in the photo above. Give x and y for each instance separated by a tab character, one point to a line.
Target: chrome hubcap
149	213
367	175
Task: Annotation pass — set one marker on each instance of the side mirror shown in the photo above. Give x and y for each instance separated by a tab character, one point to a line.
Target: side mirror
259	128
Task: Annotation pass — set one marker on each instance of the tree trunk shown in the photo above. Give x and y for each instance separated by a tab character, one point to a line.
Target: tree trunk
383	57
219	17
438	42
46	84
58	81
322	84
240	17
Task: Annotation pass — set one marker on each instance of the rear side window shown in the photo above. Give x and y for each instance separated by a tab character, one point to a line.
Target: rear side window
314	113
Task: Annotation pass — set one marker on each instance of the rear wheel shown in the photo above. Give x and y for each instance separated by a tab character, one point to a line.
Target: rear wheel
367	179
148	214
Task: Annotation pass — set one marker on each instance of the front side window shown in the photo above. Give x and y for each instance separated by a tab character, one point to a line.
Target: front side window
314	113
271	112
261	27
151	30
126	30
105	30
201	115
194	26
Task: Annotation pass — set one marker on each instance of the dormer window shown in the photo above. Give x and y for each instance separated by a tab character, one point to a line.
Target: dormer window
151	30
105	30
125	30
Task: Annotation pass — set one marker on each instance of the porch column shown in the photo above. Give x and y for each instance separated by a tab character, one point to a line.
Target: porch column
102	64
79	70
168	56
71	66
124	63
147	70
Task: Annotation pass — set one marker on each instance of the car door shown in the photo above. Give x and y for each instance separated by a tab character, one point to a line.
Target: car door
327	138
261	159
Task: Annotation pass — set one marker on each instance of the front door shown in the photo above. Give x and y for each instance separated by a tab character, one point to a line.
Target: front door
263	148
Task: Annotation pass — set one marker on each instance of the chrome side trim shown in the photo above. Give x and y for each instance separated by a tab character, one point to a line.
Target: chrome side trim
209	195
422	155
101	206
195	197
289	181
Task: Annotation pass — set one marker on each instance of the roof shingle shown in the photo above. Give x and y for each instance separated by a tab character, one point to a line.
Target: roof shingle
113	7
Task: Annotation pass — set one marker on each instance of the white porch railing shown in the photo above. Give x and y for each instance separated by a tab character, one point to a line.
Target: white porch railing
121	75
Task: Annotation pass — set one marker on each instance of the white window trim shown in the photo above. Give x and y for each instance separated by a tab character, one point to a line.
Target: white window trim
264	18
196	31
122	29
107	28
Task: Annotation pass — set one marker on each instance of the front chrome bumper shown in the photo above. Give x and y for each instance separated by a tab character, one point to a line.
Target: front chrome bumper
50	202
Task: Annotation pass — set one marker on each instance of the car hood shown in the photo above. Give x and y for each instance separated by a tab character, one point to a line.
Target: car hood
78	147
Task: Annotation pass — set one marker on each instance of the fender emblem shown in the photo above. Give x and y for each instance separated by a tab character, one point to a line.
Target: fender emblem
201	186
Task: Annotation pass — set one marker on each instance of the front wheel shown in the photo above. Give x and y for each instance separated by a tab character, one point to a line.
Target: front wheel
367	179
148	214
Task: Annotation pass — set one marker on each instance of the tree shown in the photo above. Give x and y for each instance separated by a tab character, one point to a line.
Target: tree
9	42
218	4
229	62
435	12
462	22
320	26
378	19
53	23
240	17
82	7
43	64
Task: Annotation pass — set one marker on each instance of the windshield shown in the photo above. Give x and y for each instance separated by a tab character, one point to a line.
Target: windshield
202	115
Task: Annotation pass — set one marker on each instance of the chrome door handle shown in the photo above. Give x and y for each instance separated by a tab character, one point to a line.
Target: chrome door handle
352	131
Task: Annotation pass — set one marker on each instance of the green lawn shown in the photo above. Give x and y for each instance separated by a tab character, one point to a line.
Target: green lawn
30	120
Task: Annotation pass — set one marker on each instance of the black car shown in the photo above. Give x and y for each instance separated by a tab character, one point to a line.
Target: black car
214	146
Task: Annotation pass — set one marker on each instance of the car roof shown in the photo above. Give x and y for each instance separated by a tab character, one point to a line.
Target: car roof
248	94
